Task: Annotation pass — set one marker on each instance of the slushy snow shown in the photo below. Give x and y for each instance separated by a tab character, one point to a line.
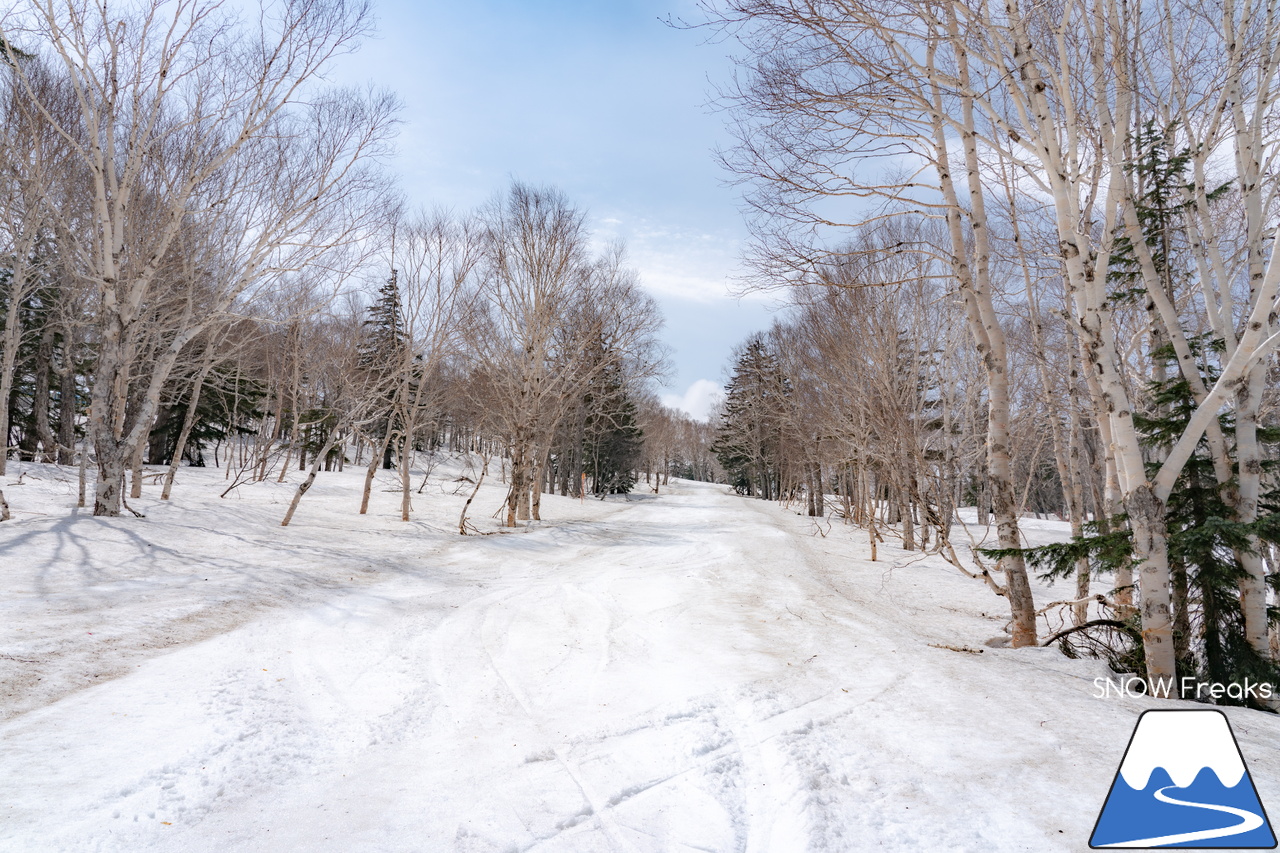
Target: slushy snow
687	671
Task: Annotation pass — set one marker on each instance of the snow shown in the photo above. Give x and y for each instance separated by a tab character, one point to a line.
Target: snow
676	672
1183	744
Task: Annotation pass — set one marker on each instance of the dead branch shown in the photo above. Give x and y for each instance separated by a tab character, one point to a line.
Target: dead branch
951	648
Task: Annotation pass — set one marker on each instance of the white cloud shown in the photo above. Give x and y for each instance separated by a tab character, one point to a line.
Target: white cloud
675	260
698	400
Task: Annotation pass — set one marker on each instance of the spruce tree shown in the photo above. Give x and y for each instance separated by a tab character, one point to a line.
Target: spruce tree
1203	542
748	436
385	341
612	439
227	401
1204	539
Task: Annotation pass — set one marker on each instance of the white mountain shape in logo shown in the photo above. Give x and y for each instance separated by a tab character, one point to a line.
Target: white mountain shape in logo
1183	743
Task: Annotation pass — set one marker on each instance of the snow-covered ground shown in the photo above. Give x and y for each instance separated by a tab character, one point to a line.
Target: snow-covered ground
687	671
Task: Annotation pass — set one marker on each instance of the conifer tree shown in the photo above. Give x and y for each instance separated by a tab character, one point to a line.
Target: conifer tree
381	356
613	440
227	400
1204	541
748	439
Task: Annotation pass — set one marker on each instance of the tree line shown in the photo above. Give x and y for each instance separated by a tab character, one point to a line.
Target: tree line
1030	254
205	259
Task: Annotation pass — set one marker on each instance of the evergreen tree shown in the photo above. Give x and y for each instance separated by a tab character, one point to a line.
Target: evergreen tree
35	386
1203	543
613	440
748	437
228	401
385	336
385	342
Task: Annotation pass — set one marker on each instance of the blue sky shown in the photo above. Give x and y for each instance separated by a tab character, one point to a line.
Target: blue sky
601	99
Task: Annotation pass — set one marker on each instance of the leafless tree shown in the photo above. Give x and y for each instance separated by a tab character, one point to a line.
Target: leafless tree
1049	101
549	309
861	101
189	121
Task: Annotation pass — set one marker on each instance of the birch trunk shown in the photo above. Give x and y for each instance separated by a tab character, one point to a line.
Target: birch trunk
1058	146
311	475
535	504
1075	438
40	397
12	335
406	482
135	463
516	483
371	470
1065	450
84	465
188	423
462	519
67	413
975	287
1249	461
106	419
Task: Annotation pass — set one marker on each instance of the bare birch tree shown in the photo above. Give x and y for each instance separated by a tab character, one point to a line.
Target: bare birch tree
833	90
548	306
185	114
33	166
1059	93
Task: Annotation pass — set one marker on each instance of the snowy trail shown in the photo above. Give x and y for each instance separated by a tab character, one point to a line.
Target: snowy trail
693	672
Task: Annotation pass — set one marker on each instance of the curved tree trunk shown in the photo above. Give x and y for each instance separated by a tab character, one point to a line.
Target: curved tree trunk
311	475
984	324
188	423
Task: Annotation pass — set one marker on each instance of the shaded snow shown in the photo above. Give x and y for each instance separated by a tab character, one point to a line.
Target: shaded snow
686	671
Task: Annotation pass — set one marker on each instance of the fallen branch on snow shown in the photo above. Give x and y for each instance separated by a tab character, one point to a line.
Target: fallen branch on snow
950	648
1099	597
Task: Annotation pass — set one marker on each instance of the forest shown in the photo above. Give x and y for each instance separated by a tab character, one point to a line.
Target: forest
346	504
1032	275
207	262
1030	261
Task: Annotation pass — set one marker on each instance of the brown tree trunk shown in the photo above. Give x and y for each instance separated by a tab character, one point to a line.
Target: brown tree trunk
535	504
135	490
67	414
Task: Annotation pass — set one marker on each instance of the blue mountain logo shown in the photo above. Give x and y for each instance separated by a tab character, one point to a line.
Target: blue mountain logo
1183	783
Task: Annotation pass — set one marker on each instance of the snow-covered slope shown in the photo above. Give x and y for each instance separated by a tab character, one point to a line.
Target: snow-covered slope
683	671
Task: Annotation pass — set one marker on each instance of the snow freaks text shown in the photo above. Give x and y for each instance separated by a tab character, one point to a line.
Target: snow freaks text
1105	687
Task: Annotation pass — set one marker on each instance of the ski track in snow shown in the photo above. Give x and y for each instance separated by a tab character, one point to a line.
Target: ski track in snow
691	672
